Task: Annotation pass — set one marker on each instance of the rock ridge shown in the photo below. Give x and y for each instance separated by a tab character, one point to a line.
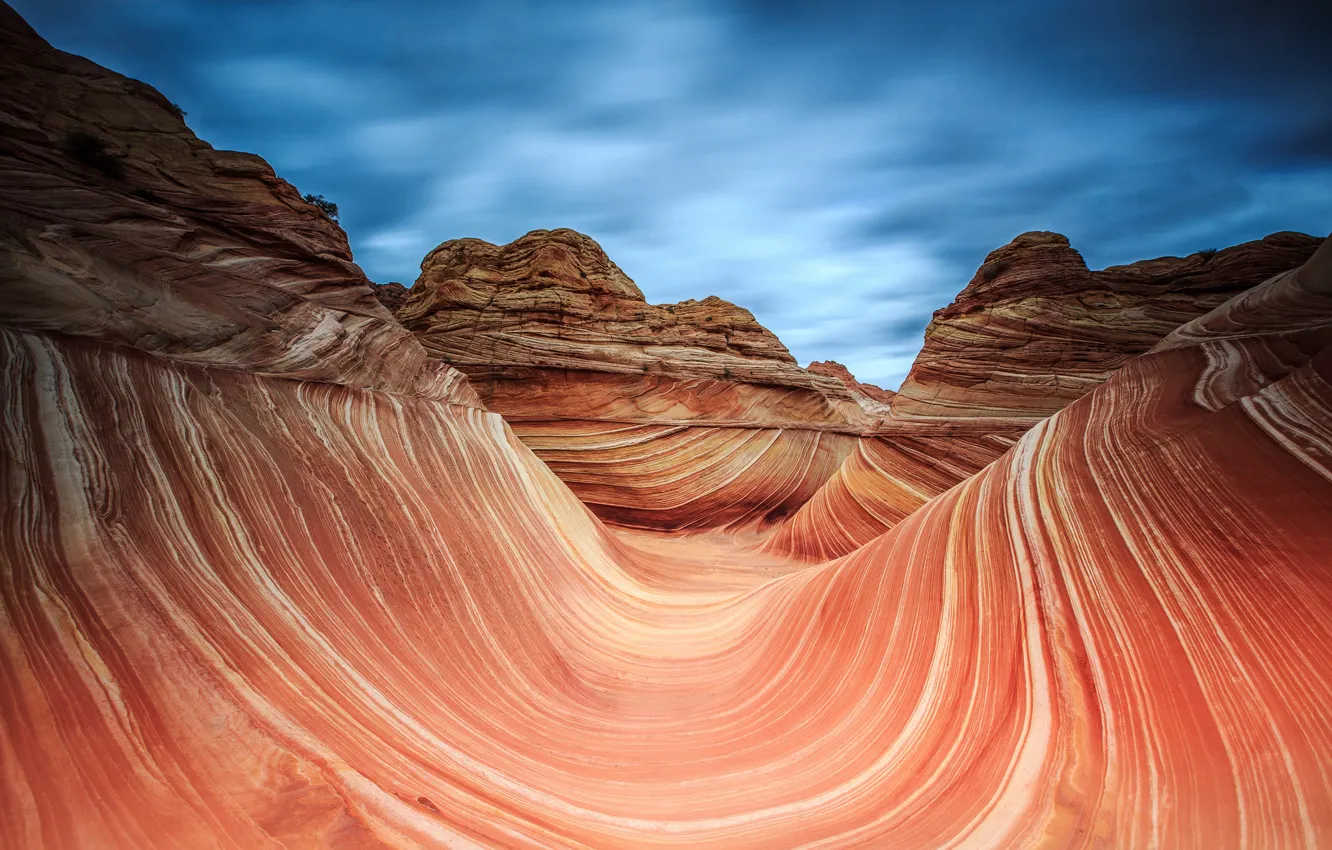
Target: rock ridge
120	225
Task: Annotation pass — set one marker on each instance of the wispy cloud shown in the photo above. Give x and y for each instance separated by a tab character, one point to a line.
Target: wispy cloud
839	169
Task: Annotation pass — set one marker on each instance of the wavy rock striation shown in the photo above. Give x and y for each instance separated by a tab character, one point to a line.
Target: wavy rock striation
1035	329
120	225
1031	332
673	415
241	607
254	612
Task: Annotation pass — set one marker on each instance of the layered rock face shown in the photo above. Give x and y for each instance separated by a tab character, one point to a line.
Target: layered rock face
242	607
1031	332
864	392
882	482
392	294
672	416
119	225
1035	329
547	327
334	616
627	400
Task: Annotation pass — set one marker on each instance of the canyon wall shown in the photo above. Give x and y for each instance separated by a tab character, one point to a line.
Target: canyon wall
306	591
1032	331
250	611
667	416
693	415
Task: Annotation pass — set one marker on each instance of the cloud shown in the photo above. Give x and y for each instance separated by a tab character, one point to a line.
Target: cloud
838	168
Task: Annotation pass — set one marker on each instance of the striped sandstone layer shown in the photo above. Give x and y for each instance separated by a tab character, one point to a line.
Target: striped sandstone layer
253	612
247	609
120	225
651	413
661	416
1034	329
1031	332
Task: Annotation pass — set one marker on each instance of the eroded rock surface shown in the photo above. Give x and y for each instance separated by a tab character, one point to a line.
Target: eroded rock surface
833	369
1032	331
621	396
547	327
672	415
392	294
243	606
118	224
1035	329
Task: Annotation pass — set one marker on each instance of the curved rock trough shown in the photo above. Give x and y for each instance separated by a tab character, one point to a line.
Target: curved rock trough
280	568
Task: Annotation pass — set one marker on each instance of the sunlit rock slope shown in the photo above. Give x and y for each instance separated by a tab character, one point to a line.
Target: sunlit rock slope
242	606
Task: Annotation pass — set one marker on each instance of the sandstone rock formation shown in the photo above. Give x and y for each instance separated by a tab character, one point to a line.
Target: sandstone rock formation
624	399
392	294
245	607
547	327
119	225
1035	329
833	369
881	483
671	415
397	616
1031	332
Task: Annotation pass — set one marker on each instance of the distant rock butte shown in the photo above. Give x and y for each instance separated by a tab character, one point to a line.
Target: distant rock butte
833	369
392	294
673	415
547	327
1034	329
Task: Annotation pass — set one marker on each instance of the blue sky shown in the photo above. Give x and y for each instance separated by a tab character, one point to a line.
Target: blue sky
838	168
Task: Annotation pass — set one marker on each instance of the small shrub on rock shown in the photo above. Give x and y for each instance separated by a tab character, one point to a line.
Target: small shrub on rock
326	206
992	270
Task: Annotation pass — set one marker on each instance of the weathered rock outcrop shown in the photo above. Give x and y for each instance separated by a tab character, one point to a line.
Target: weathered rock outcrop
118	224
622	397
548	328
1035	329
240	607
833	369
1032	331
392	294
674	415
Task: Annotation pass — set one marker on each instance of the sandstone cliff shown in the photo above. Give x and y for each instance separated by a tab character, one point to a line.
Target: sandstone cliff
392	294
621	397
674	415
244	608
1035	329
833	369
119	225
547	327
1032	331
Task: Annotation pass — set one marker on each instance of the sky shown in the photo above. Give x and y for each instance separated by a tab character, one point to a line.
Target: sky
840	169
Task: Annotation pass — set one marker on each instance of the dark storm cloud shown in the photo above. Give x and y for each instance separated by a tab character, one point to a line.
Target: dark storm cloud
840	169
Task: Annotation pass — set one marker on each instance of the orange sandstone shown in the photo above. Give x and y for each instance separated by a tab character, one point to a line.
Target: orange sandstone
255	597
